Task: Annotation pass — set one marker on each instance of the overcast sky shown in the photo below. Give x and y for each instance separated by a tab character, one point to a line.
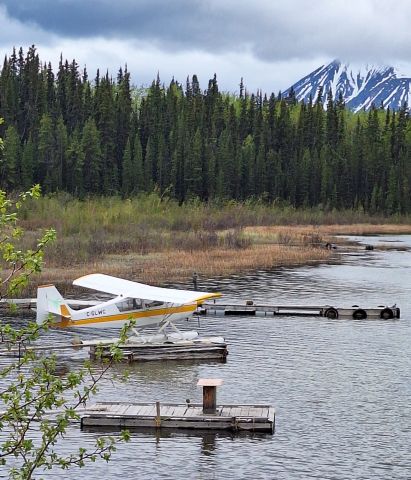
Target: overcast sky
270	43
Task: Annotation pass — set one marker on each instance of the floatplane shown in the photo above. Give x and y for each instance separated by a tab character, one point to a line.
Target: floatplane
145	304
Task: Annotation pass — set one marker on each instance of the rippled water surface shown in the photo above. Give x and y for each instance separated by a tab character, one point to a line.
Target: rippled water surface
341	388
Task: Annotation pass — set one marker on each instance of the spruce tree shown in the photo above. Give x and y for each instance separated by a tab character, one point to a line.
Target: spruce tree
105	121
59	165
248	159
93	160
122	115
193	170
75	174
10	160
46	152
225	166
128	182
138	167
28	165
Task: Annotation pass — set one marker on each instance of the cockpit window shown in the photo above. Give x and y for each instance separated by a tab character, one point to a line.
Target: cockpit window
152	304
129	304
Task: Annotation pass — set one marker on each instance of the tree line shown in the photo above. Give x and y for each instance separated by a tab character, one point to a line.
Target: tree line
105	137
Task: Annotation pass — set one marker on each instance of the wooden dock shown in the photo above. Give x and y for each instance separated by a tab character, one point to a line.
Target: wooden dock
200	348
250	308
254	418
204	348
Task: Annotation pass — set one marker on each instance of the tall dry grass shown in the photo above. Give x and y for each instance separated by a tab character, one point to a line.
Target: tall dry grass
177	265
153	239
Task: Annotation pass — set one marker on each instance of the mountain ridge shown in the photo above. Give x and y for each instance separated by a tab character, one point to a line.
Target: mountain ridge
360	88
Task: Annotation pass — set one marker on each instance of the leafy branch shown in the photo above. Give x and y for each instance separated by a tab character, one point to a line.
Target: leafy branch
38	402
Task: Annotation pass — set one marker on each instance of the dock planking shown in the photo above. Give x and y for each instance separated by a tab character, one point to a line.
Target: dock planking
203	348
256	418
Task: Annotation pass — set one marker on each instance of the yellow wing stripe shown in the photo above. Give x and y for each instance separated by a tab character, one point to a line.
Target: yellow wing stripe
126	316
208	295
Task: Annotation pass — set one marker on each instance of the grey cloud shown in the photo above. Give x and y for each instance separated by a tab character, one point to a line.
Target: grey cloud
269	29
185	24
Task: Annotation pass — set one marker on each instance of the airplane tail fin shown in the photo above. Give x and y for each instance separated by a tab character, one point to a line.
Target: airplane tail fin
49	301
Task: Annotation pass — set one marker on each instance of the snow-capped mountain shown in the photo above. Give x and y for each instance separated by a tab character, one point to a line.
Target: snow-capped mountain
359	87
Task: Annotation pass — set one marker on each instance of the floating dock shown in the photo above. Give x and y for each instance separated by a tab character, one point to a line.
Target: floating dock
142	348
258	418
202	348
250	308
255	418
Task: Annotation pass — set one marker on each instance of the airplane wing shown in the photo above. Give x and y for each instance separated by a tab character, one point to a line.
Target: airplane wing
129	289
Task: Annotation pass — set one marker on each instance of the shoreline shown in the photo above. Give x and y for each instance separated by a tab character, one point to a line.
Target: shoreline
266	248
172	267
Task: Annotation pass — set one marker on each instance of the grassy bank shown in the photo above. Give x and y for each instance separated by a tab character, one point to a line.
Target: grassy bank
155	240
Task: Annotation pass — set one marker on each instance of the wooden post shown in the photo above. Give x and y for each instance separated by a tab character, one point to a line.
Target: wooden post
210	393
158	415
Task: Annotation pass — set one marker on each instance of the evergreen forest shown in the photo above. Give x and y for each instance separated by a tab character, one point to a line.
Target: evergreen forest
101	136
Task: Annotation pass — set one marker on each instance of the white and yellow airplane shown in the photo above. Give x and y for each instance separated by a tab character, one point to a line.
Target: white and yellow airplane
145	304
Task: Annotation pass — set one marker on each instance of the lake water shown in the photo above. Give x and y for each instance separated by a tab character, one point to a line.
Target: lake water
341	388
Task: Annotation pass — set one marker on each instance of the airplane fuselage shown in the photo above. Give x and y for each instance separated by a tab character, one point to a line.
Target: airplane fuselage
108	315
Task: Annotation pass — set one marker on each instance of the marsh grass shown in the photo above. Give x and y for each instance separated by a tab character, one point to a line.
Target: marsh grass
171	266
155	240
